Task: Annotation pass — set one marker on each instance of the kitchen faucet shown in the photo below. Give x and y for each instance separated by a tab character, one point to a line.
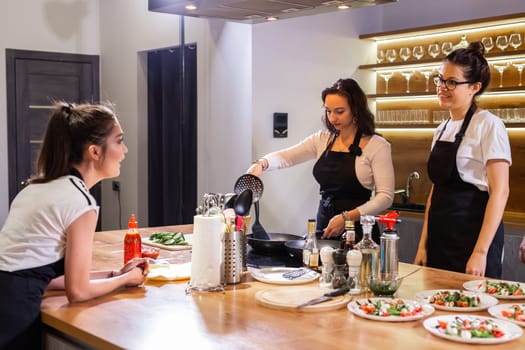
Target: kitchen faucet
412	175
405	192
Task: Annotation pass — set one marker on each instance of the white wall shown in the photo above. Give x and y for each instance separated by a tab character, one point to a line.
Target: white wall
70	26
224	79
293	60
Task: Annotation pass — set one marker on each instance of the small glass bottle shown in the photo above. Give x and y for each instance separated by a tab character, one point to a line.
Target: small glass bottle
369	251
349	236
132	241
310	249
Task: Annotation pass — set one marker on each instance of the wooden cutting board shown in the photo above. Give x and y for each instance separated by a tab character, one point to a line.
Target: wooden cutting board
288	298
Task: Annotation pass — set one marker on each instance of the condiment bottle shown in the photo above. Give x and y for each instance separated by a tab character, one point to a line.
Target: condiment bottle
132	241
349	236
340	269
369	251
310	249
389	247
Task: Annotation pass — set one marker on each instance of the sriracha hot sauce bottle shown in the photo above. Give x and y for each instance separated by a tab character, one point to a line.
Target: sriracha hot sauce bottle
132	241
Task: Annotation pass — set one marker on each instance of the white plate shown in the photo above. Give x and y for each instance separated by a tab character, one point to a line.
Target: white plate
169	272
485	301
354	308
473	286
511	330
497	309
274	275
187	236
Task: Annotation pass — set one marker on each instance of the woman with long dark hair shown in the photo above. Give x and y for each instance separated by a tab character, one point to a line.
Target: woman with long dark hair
352	161
47	239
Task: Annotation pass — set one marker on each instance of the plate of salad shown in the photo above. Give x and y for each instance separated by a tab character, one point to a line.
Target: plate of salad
497	288
509	312
472	329
391	310
456	300
169	240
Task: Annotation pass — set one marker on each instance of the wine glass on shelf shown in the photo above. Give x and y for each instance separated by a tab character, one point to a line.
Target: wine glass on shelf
515	40
519	67
433	50
488	43
502	42
501	67
386	76
427	73
418	52
404	53
447	47
408	75
380	56
391	55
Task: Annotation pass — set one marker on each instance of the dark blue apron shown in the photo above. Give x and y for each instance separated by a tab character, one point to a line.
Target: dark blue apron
456	211
339	187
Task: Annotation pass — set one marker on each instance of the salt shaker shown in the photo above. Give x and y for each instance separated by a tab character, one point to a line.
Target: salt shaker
353	260
328	266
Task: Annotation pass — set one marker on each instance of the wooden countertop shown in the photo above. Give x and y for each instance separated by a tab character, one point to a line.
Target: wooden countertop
161	315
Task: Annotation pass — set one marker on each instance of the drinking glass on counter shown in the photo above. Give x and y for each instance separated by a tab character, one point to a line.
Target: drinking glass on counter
519	67
502	42
404	53
386	76
515	40
488	43
433	50
418	52
391	55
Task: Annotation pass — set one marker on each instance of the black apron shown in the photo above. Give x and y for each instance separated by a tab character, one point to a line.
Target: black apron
456	211
339	187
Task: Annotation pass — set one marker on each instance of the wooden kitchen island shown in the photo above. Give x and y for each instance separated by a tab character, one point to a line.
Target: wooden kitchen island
162	316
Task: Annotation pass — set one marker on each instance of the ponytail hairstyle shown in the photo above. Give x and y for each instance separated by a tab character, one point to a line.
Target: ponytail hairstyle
70	131
475	66
357	101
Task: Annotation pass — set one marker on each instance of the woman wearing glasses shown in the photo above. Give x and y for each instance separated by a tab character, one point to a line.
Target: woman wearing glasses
469	167
351	160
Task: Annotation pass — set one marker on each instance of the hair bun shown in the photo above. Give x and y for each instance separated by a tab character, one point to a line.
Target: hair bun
476	47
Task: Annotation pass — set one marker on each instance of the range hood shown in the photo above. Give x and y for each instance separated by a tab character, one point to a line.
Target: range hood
255	11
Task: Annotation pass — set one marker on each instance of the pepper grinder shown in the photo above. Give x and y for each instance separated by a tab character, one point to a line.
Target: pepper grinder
328	267
353	260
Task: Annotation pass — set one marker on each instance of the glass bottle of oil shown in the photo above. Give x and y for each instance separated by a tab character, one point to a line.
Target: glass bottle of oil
310	249
369	252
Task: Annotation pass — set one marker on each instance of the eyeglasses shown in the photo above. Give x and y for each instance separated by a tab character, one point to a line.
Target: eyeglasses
450	84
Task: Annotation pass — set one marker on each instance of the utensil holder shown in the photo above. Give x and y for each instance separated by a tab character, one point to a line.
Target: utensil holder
234	257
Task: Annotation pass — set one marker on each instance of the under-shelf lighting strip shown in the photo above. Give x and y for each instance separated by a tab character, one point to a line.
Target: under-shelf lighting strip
411	36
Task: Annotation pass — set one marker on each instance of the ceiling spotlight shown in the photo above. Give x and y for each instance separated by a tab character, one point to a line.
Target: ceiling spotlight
190	7
343	7
272	18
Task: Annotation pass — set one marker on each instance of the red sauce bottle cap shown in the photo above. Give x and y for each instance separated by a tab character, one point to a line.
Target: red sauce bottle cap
132	222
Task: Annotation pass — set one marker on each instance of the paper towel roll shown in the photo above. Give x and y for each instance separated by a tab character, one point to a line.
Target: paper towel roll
206	255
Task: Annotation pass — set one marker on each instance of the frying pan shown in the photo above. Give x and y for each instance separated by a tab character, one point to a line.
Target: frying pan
273	245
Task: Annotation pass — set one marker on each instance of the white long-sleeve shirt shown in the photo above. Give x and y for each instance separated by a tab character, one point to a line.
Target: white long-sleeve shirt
374	168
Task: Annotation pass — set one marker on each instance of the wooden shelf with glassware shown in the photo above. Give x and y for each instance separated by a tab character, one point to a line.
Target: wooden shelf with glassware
407	60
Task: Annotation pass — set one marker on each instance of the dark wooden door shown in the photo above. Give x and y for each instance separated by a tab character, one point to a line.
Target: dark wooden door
35	80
